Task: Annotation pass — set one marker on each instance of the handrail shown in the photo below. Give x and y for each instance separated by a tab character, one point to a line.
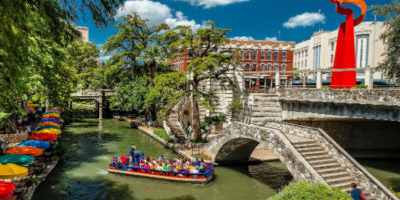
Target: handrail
348	157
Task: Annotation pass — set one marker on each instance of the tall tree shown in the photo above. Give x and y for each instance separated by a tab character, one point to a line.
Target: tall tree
391	62
154	59
134	35
209	61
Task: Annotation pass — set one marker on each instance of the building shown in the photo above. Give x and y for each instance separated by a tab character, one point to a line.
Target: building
256	56
84	33
319	51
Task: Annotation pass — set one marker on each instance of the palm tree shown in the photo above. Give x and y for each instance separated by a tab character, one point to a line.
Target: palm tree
154	58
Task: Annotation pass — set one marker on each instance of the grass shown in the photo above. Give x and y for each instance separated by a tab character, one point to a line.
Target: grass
161	133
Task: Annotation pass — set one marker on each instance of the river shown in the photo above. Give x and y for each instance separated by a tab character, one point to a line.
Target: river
82	175
88	150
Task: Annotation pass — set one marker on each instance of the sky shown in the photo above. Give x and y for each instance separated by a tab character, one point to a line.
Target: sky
284	20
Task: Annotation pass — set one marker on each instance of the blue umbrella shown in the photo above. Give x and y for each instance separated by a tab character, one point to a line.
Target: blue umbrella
35	143
50	120
57	111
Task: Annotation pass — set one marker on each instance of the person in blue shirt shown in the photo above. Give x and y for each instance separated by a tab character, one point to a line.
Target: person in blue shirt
356	194
132	154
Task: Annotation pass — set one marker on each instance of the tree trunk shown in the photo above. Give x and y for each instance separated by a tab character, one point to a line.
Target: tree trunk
196	120
152	72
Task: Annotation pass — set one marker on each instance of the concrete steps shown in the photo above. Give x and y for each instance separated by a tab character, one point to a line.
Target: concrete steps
327	166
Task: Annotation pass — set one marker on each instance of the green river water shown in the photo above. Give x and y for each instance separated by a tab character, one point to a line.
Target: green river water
82	174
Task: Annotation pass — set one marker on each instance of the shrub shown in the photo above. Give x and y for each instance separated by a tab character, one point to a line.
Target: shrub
163	134
310	191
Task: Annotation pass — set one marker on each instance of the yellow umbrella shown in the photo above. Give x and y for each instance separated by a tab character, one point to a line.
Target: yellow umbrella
50	130
10	171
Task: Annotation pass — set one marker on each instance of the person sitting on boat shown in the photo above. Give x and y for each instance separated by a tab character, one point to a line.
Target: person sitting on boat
197	162
161	158
195	170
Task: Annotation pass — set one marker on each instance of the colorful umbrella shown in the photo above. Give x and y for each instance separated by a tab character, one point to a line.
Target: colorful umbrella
28	110
10	171
56	108
35	143
48	126
31	151
6	189
50	120
33	105
43	136
18	159
50	114
57	111
57	118
50	131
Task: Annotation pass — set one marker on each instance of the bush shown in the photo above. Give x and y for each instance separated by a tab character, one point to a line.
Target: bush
361	86
163	134
310	191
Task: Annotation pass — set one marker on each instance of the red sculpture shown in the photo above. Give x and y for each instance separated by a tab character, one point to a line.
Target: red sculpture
345	50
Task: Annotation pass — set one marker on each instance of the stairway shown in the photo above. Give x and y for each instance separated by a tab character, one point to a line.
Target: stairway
326	165
174	124
263	107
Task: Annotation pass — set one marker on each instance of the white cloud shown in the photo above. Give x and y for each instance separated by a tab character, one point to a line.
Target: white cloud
156	13
212	3
243	38
273	39
105	58
304	20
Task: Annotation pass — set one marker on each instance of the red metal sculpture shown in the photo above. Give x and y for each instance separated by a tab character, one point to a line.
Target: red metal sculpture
345	50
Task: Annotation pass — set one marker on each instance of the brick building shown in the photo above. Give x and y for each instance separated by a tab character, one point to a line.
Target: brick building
255	55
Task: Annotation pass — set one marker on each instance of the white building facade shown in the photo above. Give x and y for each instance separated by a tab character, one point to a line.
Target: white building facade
319	51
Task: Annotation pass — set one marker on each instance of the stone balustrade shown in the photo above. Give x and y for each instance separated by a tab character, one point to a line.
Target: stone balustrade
348	96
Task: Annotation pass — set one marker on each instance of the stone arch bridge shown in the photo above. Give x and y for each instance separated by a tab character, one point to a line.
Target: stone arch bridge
308	153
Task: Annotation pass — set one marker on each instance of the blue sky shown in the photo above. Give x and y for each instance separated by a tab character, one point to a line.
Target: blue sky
248	19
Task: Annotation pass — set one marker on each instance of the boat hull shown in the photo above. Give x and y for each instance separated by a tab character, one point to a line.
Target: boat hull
163	176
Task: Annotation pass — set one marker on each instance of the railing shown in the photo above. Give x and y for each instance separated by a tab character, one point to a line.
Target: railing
363	176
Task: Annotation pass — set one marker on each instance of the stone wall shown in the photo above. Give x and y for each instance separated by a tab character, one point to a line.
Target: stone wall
355	135
14	138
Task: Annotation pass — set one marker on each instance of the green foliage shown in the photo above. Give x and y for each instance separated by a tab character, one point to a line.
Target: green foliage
237	104
326	87
131	97
213	120
310	191
361	86
391	64
163	134
3	119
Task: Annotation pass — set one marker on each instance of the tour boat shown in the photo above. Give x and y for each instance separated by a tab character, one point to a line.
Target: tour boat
201	178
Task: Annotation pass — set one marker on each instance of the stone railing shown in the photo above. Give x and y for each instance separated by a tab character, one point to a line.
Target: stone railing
348	96
365	179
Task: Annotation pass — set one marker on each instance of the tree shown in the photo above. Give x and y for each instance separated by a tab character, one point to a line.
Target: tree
391	62
209	61
133	36
154	58
310	190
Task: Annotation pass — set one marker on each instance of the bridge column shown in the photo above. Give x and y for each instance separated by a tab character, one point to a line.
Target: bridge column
277	79
319	79
369	79
100	99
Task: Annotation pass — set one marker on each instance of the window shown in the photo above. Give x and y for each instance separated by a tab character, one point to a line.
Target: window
332	52
241	54
262	55
254	55
204	88
262	67
254	67
305	63
269	66
269	55
317	57
362	50
276	67
248	55
283	67
276	55
247	67
283	55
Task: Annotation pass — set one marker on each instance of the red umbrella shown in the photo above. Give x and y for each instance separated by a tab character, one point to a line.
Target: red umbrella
6	189
43	136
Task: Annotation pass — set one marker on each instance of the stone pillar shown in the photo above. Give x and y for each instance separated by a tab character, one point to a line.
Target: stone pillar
277	79
319	79
369	79
304	80
257	84
101	104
